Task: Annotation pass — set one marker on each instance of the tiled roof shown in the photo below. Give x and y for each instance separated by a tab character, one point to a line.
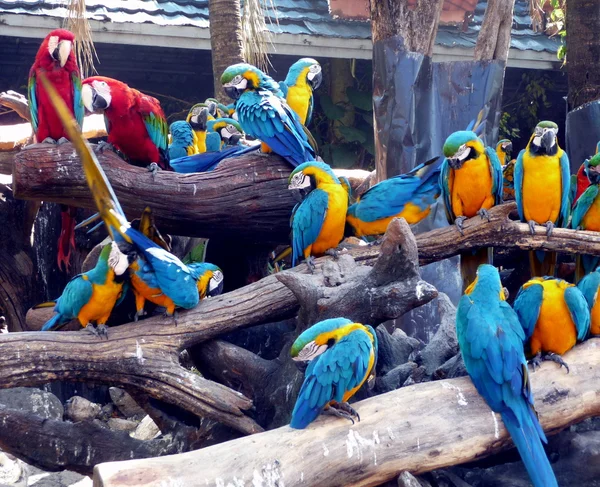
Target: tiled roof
307	17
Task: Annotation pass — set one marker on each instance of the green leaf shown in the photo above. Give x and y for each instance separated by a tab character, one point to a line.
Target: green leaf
360	99
197	254
352	134
330	109
562	51
343	156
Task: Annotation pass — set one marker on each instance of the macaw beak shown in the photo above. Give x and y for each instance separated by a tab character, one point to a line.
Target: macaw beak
301	364
99	102
234	139
548	140
62	52
507	147
455	162
214	289
231	91
315	79
593	174
199	122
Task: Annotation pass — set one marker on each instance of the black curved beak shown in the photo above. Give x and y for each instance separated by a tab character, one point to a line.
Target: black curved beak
548	141
508	148
232	92
234	139
98	102
316	81
55	54
216	291
455	162
201	120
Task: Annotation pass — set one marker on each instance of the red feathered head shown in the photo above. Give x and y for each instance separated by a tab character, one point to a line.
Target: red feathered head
57	51
97	92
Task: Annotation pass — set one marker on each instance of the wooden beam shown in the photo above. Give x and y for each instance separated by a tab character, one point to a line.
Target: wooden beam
417	428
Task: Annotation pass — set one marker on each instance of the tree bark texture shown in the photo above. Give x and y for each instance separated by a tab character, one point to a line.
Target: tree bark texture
417	428
417	25
583	51
493	41
225	40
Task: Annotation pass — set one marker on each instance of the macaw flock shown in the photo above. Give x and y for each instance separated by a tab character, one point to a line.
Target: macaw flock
549	315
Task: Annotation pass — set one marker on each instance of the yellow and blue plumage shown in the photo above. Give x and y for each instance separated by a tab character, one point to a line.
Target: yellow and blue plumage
90	297
198	118
542	189
265	115
341	355
504	151
407	196
226	132
317	222
471	184
589	287
490	339
586	215
554	315
183	140
304	76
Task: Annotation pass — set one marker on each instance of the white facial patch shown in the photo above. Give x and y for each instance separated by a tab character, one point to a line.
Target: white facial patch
103	90
310	351
462	152
64	50
52	44
313	71
537	140
117	260
87	95
215	280
299	181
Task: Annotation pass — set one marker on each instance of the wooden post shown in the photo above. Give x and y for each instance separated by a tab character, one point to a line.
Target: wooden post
493	41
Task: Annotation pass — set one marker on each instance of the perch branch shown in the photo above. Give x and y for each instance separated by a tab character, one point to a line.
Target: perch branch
17	102
417	428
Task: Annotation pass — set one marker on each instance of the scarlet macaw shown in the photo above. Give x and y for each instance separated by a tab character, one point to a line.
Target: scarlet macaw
580	181
554	315
56	59
471	183
265	115
341	355
304	76
317	222
135	122
490	339
542	189
409	196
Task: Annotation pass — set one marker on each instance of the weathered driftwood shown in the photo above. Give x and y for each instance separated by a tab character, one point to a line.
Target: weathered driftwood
417	428
244	198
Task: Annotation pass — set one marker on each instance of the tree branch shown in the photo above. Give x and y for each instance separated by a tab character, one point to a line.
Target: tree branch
402	430
493	41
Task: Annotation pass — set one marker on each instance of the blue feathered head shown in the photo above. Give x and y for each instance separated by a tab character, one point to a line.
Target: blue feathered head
238	78
181	131
487	281
228	129
310	174
305	70
462	146
209	278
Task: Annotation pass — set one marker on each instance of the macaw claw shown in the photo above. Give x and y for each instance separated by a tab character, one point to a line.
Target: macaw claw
343	410
549	228
99	330
103	146
153	168
310	263
459	224
62	140
484	214
333	253
531	224
49	140
552	357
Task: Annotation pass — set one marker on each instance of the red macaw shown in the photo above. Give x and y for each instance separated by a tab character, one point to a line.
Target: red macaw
56	59
135	122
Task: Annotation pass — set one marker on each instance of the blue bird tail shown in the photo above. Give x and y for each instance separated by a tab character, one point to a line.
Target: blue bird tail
542	263
207	161
53	323
528	440
304	414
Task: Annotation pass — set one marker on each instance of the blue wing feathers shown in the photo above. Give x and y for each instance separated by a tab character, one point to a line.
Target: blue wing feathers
307	222
518	183
579	310
527	305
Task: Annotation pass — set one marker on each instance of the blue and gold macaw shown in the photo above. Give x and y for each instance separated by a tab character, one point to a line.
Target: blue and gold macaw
198	118
172	278
90	297
409	196
471	184
222	111
542	190
589	287
504	151
318	221
490	339
341	355
304	76
223	132
183	140
554	315
586	215
265	115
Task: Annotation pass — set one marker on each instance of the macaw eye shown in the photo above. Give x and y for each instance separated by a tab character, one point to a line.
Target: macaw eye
315	68
236	80
196	111
231	128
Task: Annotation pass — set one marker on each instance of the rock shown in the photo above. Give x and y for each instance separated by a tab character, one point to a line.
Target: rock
394	378
13	471
146	430
406	479
417	375
125	403
444	344
119	424
66	478
394	349
455	367
80	409
36	401
106	412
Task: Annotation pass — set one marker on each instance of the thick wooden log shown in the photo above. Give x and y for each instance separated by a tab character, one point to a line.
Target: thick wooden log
417	428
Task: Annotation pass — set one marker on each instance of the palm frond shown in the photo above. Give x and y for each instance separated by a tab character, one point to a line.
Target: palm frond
255	35
77	23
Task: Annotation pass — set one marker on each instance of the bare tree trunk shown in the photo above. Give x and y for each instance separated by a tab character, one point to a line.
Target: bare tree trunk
417	26
225	39
583	25
493	41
